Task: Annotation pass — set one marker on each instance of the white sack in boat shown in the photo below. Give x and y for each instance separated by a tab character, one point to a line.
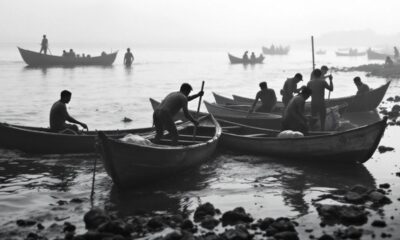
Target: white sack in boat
290	134
136	139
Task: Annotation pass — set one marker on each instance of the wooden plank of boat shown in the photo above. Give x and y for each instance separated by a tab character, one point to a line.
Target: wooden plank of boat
37	59
131	164
356	145
44	141
236	60
356	103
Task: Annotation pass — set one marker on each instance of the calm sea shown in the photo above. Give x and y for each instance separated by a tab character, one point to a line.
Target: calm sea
103	96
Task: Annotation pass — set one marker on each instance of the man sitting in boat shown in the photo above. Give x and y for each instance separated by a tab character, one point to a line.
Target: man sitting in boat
245	57
267	97
317	84
59	115
253	57
293	117
396	53
290	87
71	53
44	45
388	62
128	58
362	87
65	54
163	115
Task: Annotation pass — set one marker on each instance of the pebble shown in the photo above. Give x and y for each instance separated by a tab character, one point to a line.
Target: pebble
378	223
235	216
383	149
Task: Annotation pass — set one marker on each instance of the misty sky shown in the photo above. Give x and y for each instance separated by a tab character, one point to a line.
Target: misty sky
169	22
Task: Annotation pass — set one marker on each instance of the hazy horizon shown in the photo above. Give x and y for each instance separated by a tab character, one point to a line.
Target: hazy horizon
182	23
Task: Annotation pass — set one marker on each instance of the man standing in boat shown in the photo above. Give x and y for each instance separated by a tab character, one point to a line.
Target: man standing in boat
128	58
317	84
163	115
44	45
290	87
362	88
267	97
293	117
59	115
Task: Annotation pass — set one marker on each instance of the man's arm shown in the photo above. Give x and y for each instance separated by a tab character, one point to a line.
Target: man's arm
330	86
73	120
188	115
254	103
190	98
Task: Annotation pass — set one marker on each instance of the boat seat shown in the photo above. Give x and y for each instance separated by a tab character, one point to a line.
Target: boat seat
198	137
256	135
231	127
180	142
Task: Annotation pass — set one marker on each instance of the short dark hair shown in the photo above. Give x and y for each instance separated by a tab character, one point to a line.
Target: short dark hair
263	84
298	76
186	87
306	90
316	73
65	93
357	79
325	68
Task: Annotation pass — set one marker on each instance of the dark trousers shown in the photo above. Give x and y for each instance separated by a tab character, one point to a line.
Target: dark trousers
163	121
321	110
44	50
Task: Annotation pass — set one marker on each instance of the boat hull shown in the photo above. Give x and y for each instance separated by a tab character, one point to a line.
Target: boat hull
236	60
132	164
41	60
356	145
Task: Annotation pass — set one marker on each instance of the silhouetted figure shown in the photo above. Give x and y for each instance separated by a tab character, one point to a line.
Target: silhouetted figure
163	115
253	57
245	57
71	53
388	62
44	45
59	115
293	117
362	88
290	87
396	53
317	84
267	97
128	58
65	54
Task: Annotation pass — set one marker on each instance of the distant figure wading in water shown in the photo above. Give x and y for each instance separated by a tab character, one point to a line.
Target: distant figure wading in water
163	115
128	58
59	115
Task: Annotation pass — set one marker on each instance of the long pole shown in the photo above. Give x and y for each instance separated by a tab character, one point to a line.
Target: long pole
312	48
198	110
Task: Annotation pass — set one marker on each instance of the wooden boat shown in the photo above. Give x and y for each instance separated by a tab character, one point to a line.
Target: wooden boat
236	60
356	103
44	141
279	50
131	164
356	145
372	55
350	54
321	52
37	59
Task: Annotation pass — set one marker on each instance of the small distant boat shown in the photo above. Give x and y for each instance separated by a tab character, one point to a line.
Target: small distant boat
279	50
45	141
350	53
356	103
355	145
41	60
372	55
321	52
130	164
236	60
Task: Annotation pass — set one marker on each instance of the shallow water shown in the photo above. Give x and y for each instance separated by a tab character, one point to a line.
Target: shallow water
31	185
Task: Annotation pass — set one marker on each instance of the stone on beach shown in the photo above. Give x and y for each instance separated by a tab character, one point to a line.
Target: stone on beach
204	210
383	149
94	218
238	215
343	214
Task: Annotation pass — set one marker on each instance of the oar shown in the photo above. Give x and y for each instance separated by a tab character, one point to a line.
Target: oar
198	110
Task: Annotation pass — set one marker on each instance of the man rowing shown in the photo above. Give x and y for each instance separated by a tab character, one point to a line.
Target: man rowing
267	97
163	115
293	117
317	84
59	115
362	88
290	87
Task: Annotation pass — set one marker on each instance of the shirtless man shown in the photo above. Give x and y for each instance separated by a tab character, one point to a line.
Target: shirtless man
293	118
290	87
59	115
267	97
128	58
44	45
317	84
163	115
362	88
